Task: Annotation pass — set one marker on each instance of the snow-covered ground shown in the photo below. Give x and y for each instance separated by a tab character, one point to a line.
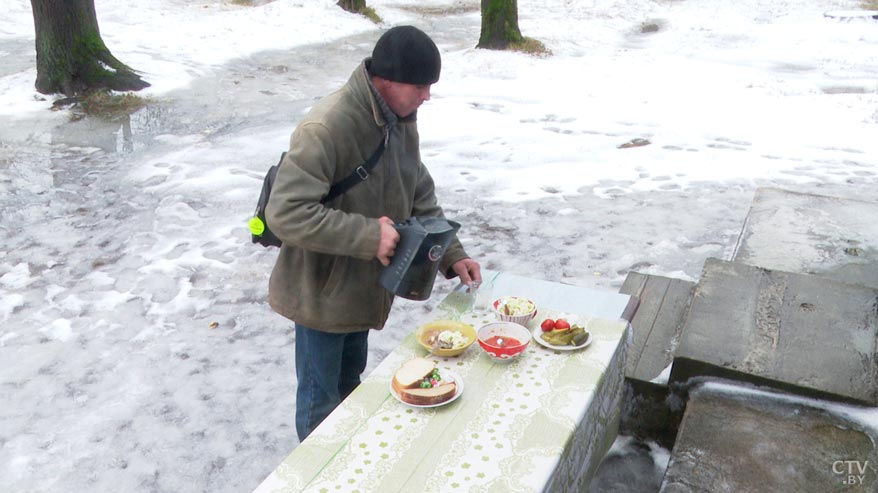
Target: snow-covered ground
123	242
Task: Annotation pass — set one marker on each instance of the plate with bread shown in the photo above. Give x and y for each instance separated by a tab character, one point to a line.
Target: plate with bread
420	383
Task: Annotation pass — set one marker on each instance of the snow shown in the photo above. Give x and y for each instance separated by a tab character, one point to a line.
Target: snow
862	418
663	377
124	243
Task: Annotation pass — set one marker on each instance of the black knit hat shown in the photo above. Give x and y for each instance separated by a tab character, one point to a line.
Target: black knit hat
406	54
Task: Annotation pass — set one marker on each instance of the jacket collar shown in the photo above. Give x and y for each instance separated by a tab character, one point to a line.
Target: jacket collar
382	107
380	110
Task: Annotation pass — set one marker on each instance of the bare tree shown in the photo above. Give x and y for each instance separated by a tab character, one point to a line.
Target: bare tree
359	7
499	24
355	6
71	56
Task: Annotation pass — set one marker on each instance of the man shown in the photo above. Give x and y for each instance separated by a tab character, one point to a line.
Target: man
326	278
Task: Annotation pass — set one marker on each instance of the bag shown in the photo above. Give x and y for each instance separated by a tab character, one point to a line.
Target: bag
259	232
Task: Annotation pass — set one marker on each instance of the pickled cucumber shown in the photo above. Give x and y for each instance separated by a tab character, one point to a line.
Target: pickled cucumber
579	339
566	337
562	338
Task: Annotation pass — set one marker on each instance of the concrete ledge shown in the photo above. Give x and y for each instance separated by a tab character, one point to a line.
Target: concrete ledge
793	331
737	442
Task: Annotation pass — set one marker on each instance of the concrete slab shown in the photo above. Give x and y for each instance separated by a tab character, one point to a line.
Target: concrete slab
800	333
657	323
739	443
832	237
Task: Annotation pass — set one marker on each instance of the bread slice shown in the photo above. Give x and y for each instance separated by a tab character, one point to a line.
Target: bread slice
426	397
411	373
407	380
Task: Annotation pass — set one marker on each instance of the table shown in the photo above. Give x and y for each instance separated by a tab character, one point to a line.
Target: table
542	422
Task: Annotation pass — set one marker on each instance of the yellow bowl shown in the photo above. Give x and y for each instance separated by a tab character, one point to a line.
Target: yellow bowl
434	328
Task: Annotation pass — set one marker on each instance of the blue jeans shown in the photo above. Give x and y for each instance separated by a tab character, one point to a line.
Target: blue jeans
328	367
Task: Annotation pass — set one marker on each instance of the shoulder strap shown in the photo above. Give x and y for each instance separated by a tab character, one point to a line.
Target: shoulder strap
358	175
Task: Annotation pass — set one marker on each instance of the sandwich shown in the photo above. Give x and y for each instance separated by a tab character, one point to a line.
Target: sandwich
418	382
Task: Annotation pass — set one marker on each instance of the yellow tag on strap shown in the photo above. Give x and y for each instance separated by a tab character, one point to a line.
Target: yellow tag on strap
257	227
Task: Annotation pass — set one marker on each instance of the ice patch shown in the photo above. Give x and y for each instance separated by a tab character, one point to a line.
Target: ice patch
7	337
99	278
9	302
18	277
109	300
53	290
182	305
20	466
188	260
60	330
72	303
178	213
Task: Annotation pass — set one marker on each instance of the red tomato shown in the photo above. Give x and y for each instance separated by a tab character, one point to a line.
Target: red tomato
562	324
547	325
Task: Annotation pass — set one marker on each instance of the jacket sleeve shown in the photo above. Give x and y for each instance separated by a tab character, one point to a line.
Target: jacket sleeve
294	212
426	204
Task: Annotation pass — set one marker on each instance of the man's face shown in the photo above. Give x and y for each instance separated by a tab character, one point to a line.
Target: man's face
404	98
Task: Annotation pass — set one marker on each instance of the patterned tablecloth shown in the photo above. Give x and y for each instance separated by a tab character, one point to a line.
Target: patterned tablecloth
539	423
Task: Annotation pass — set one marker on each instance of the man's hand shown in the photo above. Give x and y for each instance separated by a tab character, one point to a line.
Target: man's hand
388	241
468	270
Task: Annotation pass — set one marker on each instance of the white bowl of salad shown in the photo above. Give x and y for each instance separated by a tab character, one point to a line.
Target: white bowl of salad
515	309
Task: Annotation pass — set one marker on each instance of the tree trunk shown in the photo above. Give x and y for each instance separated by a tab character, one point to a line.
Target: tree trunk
499	24
355	6
71	56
